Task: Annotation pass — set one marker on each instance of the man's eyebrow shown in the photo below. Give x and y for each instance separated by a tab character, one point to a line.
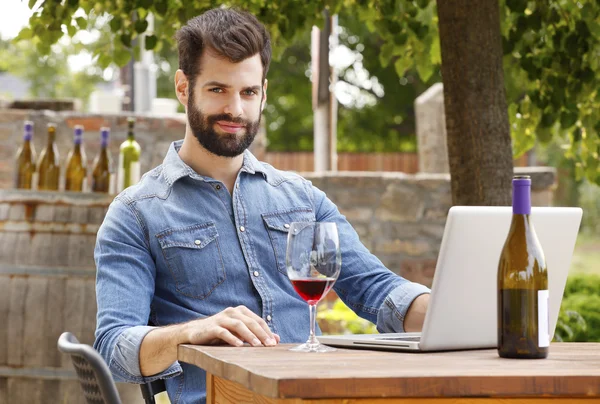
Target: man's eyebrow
216	84
256	88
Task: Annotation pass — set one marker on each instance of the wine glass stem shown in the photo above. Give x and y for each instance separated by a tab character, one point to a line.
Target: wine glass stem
312	339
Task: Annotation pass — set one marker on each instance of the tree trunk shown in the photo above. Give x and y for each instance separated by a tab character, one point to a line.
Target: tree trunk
479	143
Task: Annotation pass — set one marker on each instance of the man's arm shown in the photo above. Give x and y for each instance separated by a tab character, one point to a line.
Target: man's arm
365	285
415	316
232	326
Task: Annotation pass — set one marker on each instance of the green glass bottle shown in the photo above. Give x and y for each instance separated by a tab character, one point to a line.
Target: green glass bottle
76	172
48	167
129	170
102	176
523	323
25	160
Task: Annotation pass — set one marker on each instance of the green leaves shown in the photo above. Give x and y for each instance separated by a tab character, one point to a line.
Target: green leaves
81	22
141	26
122	57
151	41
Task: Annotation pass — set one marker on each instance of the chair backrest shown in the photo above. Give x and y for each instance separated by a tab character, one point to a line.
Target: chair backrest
93	373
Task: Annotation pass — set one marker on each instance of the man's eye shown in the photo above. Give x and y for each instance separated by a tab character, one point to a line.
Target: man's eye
249	92
216	90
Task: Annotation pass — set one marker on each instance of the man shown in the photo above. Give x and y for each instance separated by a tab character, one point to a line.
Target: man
197	248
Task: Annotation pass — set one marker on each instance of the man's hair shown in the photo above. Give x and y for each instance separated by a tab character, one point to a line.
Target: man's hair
230	33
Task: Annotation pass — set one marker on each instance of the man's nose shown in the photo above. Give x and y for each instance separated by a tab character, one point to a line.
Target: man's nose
234	106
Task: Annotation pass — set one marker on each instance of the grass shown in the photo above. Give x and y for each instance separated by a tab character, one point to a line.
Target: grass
586	257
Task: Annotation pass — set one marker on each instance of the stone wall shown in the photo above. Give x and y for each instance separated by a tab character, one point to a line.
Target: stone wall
401	217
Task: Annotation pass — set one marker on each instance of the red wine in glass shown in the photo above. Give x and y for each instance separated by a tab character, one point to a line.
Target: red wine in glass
313	262
313	289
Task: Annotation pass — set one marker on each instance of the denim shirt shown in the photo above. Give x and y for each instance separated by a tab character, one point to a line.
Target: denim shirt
178	246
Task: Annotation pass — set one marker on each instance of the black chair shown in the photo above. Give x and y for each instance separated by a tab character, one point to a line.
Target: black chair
94	376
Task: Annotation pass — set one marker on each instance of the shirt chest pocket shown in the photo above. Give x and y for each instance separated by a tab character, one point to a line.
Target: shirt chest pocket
278	224
193	256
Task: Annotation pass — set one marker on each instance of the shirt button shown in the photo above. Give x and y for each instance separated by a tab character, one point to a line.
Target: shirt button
197	242
255	273
218	187
269	318
242	228
287	226
237	185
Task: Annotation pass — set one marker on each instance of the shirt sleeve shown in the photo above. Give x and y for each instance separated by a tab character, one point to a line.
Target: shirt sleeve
125	277
365	285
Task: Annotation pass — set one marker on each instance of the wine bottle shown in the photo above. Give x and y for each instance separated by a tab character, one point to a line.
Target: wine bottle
129	160
25	160
76	172
102	176
523	323
48	167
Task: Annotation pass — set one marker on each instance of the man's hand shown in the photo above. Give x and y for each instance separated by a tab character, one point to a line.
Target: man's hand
232	326
415	316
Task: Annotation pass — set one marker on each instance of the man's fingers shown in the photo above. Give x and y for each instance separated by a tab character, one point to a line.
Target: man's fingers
241	329
226	336
266	336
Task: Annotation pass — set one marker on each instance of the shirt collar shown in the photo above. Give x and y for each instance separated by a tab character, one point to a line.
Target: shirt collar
175	168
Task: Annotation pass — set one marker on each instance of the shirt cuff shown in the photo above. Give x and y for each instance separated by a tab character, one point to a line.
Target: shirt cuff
390	317
125	360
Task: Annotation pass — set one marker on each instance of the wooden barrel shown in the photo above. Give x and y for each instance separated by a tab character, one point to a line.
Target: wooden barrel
47	286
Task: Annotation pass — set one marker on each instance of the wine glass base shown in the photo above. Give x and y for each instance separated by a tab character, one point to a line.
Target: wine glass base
308	347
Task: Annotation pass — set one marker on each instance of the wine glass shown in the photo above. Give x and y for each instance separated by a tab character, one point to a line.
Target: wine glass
313	261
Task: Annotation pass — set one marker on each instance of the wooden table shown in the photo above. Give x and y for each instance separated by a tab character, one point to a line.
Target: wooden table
570	374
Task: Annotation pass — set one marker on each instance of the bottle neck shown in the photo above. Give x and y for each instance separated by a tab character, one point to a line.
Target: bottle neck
50	138
521	200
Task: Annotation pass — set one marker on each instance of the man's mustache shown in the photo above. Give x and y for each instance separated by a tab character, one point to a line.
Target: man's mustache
227	118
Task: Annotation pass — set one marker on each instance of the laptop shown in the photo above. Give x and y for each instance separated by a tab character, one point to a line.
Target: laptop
462	306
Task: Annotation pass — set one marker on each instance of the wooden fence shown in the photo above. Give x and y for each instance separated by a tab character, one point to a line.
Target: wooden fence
304	161
405	162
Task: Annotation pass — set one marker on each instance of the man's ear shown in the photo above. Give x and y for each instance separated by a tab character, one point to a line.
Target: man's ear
182	87
264	97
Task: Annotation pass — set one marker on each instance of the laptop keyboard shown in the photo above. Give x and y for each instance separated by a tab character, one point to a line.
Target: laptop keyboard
407	338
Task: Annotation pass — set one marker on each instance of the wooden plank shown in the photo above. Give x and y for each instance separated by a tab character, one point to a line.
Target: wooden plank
54	320
71	392
5	286
210	389
35	313
59	253
23	390
4	390
8	245
227	392
73	312
89	309
361	373
16	316
24	253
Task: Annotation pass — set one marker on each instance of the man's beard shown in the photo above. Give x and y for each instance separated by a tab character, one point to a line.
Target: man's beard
227	144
